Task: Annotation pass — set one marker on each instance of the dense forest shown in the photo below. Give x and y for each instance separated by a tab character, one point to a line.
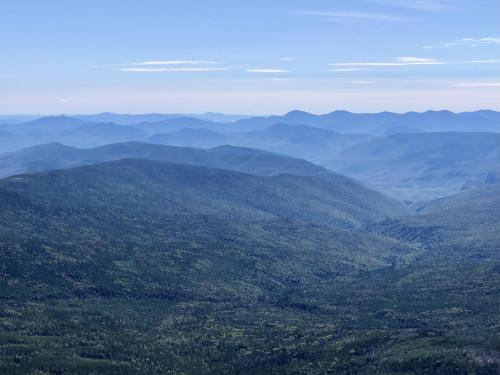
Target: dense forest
169	262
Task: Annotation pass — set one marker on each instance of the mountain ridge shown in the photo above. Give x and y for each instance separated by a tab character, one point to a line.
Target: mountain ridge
324	198
56	155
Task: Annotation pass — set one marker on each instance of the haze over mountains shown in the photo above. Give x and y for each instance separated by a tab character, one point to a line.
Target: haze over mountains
401	154
339	121
58	156
423	165
299	244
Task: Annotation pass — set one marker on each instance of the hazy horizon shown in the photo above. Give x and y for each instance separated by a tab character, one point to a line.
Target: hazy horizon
258	58
257	114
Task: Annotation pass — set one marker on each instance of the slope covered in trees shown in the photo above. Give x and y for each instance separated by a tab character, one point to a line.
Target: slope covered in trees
138	266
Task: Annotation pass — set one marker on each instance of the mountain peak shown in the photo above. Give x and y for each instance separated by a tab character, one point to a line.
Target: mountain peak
297	112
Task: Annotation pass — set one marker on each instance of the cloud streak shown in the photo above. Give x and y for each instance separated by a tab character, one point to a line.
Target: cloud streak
434	6
267	70
408	61
347	69
158	66
177	69
175	62
400	61
162	65
467	42
338	16
412	59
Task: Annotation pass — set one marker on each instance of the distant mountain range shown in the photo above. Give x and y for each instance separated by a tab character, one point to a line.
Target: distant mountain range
58	156
105	128
128	119
339	121
314	144
380	123
409	166
412	156
15	119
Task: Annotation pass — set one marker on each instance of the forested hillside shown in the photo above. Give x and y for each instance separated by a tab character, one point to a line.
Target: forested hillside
164	271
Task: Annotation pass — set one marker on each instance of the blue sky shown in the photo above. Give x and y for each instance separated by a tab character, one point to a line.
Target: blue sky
252	57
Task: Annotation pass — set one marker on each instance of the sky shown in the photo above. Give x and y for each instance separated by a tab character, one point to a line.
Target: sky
248	57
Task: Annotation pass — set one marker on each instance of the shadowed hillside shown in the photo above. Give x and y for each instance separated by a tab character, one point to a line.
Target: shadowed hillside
57	156
322	199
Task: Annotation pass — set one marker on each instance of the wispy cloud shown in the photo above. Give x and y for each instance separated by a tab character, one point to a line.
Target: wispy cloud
175	62
412	59
287	58
478	84
177	69
422	5
165	66
481	61
409	61
347	69
467	42
400	61
362	82
267	70
338	16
